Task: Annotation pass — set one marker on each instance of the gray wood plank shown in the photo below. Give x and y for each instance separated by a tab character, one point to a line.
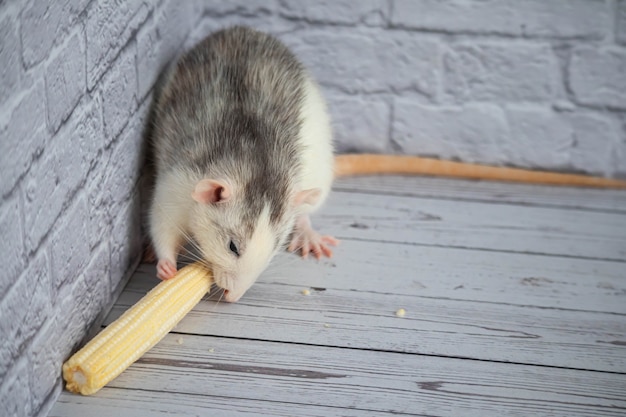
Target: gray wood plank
140	403
433	326
524	229
505	289
371	381
497	192
459	274
449	273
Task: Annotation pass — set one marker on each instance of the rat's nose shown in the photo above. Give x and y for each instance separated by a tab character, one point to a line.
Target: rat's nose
232	296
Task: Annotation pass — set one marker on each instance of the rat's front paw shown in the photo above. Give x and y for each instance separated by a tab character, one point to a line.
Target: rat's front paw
306	240
166	269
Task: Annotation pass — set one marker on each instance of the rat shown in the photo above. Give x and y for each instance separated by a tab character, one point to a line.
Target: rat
243	154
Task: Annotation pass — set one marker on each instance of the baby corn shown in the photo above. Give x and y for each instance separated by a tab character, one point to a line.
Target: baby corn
124	341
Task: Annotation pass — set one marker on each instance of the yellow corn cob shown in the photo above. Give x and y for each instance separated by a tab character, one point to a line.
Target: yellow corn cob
124	341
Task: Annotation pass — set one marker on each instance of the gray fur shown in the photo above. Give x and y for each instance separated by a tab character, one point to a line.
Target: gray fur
230	109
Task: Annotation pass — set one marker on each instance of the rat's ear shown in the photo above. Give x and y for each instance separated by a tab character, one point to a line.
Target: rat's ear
211	191
310	196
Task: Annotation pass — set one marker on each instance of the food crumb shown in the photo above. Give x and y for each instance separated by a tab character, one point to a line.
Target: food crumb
179	340
326	325
400	312
211	350
306	291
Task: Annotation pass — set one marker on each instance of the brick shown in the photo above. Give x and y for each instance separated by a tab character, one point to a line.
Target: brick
533	18
22	137
24	310
246	8
11	243
347	12
96	277
124	170
595	138
173	21
150	63
125	240
65	80
620	34
500	72
119	91
159	42
360	123
219	14
15	395
110	25
597	76
61	170
114	179
619	163
44	24
369	61
542	138
46	360
99	200
11	67
205	27
70	245
83	301
71	326
470	133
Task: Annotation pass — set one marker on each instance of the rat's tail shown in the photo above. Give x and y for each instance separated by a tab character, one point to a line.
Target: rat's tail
364	164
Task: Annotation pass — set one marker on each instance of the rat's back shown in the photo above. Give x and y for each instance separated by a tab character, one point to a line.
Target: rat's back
235	97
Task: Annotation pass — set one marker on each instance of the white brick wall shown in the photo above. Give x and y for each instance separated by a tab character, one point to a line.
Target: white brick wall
74	94
524	82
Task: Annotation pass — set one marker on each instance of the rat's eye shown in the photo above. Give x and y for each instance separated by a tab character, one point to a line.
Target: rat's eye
233	248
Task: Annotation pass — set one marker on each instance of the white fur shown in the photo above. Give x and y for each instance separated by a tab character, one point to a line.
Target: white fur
169	213
316	136
259	251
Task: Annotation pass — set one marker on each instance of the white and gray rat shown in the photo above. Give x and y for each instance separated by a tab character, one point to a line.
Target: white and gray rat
243	154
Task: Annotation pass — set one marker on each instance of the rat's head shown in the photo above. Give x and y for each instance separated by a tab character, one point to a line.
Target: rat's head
239	231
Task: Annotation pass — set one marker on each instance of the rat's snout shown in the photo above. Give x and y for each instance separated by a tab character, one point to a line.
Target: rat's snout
234	286
225	281
228	282
232	296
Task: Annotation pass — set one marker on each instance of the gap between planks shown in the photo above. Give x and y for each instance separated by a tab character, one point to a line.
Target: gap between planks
370	381
351	318
578	198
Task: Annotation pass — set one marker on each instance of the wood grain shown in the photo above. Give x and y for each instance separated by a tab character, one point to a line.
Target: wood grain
433	326
141	403
448	273
370	381
487	191
523	229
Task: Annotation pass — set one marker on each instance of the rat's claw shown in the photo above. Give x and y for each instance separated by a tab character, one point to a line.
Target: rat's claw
330	240
165	269
322	246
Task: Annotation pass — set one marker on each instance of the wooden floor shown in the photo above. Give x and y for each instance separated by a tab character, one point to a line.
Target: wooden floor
515	300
